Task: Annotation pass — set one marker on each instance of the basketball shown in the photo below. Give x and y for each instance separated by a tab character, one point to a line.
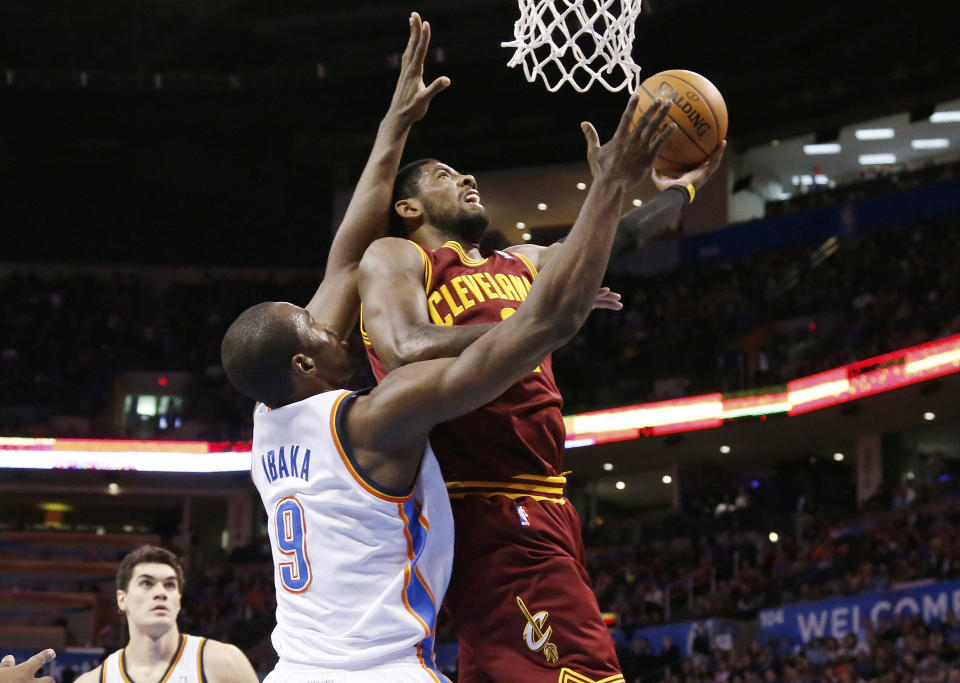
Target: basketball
699	112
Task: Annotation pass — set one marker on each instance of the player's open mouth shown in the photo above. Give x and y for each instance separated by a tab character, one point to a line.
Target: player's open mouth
472	197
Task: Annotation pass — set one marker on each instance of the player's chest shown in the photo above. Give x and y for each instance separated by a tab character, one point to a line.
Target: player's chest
141	674
460	295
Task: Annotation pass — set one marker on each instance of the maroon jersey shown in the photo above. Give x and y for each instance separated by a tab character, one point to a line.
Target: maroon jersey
519	433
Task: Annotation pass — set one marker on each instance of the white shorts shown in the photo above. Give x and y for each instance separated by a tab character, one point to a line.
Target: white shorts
394	673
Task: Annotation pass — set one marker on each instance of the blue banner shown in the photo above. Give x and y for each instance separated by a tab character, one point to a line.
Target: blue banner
812	226
850	614
721	634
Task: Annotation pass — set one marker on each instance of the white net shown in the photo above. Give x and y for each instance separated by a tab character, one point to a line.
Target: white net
579	42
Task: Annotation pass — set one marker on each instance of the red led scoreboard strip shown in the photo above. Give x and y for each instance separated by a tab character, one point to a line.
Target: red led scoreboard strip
857	380
867	377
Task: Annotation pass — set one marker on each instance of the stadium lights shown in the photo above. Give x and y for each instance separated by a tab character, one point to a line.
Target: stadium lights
875	159
113	488
773	536
581	186
910	476
929	417
608	467
521	225
666	479
637	202
930	143
945	117
724	449
822	148
621	486
838	457
821	179
527	237
541	206
874	133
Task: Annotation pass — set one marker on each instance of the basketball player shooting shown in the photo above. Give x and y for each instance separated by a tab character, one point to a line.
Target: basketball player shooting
358	514
149	590
520	596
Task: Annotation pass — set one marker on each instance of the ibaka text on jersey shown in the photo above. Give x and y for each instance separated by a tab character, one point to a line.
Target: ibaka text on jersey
278	464
465	291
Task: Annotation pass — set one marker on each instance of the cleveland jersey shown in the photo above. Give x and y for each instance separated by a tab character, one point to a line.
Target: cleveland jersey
517	438
186	666
359	570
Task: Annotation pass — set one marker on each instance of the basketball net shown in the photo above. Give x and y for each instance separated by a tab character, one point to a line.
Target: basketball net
579	42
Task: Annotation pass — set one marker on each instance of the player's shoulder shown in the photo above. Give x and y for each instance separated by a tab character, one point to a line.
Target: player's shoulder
92	676
387	247
390	252
225	662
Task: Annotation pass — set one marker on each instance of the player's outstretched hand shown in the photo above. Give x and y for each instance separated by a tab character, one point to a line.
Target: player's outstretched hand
698	177
11	672
629	154
608	299
411	97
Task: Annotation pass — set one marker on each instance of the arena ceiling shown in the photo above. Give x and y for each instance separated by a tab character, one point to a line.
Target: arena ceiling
313	78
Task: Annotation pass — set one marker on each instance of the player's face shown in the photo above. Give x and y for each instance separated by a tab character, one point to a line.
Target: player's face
152	600
451	201
326	347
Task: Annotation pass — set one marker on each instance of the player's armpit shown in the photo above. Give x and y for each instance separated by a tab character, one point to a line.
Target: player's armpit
225	663
537	255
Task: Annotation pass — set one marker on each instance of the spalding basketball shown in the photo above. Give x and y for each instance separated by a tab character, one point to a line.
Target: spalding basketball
699	112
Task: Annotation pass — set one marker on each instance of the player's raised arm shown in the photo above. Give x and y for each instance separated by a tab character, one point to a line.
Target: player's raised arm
396	416
336	301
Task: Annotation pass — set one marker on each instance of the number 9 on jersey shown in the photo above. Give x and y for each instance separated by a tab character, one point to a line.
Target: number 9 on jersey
295	574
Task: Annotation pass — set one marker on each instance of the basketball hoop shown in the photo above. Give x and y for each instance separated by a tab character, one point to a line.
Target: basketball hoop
579	42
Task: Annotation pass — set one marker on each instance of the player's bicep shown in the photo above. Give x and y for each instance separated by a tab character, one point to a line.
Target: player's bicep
337	301
394	298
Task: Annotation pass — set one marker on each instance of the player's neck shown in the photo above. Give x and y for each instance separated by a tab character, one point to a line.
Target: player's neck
432	238
147	648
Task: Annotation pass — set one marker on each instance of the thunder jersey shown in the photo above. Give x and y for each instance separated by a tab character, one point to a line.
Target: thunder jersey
185	667
359	571
519	436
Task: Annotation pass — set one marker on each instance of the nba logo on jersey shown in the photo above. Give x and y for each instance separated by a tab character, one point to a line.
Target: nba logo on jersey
522	514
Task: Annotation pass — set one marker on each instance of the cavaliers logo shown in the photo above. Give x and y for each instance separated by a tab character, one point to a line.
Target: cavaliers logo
536	633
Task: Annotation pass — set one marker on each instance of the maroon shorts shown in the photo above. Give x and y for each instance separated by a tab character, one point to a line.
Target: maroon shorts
520	597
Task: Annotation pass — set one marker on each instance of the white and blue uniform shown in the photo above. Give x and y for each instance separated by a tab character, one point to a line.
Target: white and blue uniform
186	665
359	571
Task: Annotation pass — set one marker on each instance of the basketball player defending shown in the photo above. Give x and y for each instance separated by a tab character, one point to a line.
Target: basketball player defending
358	514
149	589
520	597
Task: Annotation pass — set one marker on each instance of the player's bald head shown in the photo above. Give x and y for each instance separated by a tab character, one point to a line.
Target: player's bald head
257	349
